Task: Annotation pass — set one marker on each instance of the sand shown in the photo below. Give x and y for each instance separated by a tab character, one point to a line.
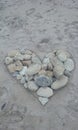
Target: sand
40	26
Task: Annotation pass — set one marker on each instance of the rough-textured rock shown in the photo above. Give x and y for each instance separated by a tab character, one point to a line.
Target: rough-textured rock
58	71
33	69
43	100
13	53
23	71
59	83
8	60
32	86
11	68
26	62
46	72
69	64
43	81
45	92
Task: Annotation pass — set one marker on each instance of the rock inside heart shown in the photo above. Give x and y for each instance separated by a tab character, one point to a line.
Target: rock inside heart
41	77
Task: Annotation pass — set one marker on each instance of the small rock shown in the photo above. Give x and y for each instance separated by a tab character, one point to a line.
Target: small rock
67	73
23	71
46	61
43	81
43	100
69	64
13	53
57	62
25	85
11	68
45	92
49	73
26	62
15	74
36	59
44	66
26	57
60	83
50	66
42	72
18	66
8	60
22	81
19	76
32	86
62	55
58	71
28	52
33	69
19	56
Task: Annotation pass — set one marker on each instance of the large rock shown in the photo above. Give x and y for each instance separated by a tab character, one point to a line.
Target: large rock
43	100
45	92
43	81
69	64
60	83
33	69
32	86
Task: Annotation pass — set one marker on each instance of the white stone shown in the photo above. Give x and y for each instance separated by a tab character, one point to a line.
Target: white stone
58	71
8	60
23	71
69	64
60	83
36	59
22	80
33	69
43	100
25	85
32	86
62	55
45	92
19	76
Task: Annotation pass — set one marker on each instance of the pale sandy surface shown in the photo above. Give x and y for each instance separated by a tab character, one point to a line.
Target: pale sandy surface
42	26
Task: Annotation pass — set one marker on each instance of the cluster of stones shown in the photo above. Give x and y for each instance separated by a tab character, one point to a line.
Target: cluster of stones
42	77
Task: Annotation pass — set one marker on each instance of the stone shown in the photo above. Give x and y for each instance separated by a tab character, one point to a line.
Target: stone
43	100
46	73
45	92
11	68
58	71
60	83
29	52
13	53
50	66
43	81
46	61
36	59
33	69
62	55
44	66
18	66
69	64
22	81
67	73
32	86
8	60
23	71
57	62
19	56
15	74
19	76
26	62
25	85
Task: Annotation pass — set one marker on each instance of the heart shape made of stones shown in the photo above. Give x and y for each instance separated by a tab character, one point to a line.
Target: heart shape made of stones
42	77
